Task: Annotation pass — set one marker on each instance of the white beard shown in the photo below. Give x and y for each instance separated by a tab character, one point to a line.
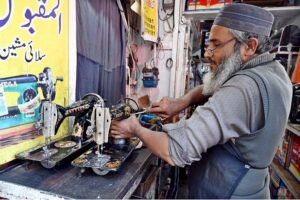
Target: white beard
212	81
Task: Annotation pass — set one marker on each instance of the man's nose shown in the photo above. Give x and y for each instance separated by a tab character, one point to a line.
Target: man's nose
206	55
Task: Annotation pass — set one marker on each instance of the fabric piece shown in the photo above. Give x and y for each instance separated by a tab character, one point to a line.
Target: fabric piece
216	175
251	186
246	18
92	78
100	50
100	32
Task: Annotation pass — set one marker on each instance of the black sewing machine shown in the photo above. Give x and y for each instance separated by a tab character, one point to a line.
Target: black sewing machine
108	154
52	116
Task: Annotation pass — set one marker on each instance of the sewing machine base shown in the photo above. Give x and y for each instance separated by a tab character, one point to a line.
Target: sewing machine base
111	159
55	153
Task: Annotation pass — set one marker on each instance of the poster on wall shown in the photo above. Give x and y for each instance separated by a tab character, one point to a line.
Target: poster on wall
149	20
33	37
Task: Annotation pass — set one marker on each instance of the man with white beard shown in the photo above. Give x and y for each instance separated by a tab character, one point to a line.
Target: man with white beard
243	107
213	80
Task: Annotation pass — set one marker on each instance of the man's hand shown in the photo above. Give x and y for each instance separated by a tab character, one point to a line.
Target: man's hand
125	128
168	107
157	142
165	108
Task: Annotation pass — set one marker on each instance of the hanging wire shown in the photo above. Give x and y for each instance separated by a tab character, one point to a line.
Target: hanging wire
159	50
135	72
168	15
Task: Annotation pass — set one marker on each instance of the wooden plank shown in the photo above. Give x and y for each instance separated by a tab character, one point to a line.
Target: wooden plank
65	181
17	139
18	130
11	191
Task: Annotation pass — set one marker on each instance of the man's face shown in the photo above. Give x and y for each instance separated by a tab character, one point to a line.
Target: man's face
224	58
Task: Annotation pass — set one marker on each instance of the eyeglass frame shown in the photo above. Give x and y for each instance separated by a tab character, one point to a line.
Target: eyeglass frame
212	51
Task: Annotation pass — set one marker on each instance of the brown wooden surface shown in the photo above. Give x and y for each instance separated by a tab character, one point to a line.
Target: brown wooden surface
146	182
65	180
17	130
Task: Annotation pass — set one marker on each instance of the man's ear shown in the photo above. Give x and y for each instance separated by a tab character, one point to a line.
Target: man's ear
251	46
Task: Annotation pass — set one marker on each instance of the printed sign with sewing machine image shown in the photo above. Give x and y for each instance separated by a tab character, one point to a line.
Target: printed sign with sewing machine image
19	101
19	110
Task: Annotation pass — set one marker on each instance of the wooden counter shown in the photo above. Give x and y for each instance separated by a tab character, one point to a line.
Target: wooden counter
32	181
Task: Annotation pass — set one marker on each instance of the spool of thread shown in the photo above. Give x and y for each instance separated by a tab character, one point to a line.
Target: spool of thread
296	73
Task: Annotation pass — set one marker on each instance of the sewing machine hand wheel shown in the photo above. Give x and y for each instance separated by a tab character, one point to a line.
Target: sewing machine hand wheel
48	164
100	171
47	84
92	97
130	102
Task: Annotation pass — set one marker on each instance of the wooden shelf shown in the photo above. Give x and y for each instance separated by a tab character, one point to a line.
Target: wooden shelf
286	53
294	128
287	178
291	11
199	14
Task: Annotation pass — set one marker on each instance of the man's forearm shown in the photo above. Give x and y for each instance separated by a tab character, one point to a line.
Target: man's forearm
193	97
156	142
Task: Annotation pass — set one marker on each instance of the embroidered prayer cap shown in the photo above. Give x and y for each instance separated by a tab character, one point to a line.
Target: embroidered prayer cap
246	18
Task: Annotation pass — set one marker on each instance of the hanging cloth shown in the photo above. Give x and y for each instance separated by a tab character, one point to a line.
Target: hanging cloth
100	50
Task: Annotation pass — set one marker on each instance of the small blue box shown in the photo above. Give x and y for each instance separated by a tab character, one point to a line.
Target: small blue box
150	82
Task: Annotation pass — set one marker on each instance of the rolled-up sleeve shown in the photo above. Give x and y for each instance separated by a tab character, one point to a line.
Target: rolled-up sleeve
230	113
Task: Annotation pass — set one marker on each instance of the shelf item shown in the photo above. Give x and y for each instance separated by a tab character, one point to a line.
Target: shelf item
278	188
287	178
296	73
294	166
286	165
211	14
206	5
265	3
286	42
283	151
294	128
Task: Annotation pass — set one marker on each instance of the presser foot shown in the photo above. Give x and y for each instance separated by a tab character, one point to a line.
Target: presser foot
111	158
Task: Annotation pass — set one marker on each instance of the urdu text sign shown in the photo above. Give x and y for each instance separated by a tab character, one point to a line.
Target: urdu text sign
149	20
34	34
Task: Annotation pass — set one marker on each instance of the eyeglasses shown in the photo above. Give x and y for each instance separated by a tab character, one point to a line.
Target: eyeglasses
211	51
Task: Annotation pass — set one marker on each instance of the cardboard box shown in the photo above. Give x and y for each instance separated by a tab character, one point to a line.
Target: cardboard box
283	151
211	4
206	4
191	4
294	166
